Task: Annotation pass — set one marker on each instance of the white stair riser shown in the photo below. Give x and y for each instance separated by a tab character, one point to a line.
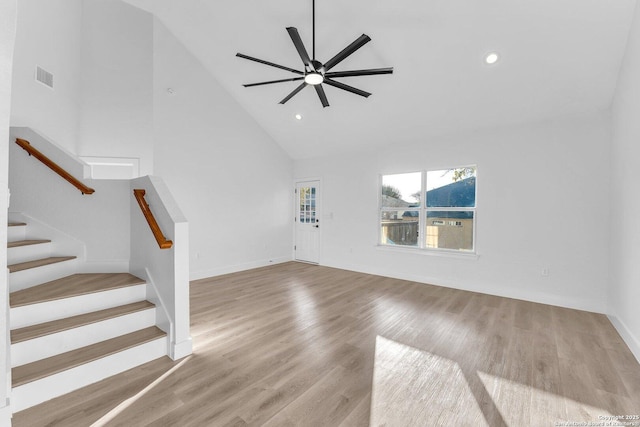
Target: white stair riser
16	233
28	253
35	276
58	309
61	342
39	391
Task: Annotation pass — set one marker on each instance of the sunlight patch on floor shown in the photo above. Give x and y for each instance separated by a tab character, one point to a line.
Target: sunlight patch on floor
112	414
522	404
415	387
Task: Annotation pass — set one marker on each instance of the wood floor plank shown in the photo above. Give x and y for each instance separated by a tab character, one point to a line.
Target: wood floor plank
74	285
295	344
21	266
359	417
581	397
33	371
19	243
42	329
96	401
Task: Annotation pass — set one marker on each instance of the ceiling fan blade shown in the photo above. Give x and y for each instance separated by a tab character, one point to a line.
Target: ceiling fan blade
369	72
322	96
295	91
297	41
344	53
346	87
282	67
293	79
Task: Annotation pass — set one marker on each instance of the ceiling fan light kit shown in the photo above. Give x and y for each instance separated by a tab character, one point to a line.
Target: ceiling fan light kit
316	73
313	78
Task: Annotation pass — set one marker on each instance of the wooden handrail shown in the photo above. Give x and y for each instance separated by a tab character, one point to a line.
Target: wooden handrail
54	166
151	220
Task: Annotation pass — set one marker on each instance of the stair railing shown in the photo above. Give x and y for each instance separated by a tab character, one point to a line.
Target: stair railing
151	220
26	145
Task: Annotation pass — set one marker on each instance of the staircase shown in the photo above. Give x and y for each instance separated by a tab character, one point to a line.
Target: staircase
69	330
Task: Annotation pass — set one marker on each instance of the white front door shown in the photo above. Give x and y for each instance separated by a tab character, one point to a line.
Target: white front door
307	203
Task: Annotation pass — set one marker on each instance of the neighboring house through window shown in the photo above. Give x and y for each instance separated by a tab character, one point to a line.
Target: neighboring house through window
434	210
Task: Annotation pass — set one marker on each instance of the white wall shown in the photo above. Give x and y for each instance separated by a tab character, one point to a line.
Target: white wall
8	11
110	78
166	270
540	205
625	204
101	55
48	35
99	220
116	102
229	177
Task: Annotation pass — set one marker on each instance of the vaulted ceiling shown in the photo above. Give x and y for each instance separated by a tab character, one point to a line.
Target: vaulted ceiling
556	58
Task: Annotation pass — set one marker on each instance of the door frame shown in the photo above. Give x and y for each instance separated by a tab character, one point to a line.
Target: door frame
319	202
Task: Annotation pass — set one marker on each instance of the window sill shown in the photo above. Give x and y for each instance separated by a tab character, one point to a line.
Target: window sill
430	252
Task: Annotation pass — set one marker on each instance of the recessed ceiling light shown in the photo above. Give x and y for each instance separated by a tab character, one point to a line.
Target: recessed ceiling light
298	116
491	58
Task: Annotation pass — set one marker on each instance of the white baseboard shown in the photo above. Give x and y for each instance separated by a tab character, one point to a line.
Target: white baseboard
36	276
109	266
5	416
203	274
26	253
71	339
631	340
182	349
46	388
531	296
28	315
61	242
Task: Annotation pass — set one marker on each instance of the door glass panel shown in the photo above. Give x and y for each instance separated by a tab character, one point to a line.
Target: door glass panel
307	205
307	201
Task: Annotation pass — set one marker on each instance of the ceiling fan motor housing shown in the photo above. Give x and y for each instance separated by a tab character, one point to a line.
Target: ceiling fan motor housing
318	66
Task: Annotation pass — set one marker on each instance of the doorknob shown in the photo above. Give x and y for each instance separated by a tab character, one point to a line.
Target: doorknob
316	226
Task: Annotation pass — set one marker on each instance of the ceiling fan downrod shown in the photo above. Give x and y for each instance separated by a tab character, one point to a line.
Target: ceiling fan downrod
313	29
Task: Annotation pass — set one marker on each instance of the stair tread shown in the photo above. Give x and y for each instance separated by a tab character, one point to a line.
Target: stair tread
13	268
19	243
42	329
62	362
16	224
71	286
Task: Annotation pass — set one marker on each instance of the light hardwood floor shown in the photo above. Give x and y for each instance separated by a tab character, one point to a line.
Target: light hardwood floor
297	344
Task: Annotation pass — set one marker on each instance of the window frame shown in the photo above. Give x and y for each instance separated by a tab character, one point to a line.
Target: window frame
423	210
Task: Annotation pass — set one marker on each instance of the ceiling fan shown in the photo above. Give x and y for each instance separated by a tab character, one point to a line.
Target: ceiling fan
316	73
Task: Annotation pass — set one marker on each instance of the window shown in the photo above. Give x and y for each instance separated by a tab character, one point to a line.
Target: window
439	205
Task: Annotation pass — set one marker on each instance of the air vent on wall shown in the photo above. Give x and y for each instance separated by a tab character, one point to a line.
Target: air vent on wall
44	77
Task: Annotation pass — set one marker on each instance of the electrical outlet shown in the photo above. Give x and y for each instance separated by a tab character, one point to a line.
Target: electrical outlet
545	272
